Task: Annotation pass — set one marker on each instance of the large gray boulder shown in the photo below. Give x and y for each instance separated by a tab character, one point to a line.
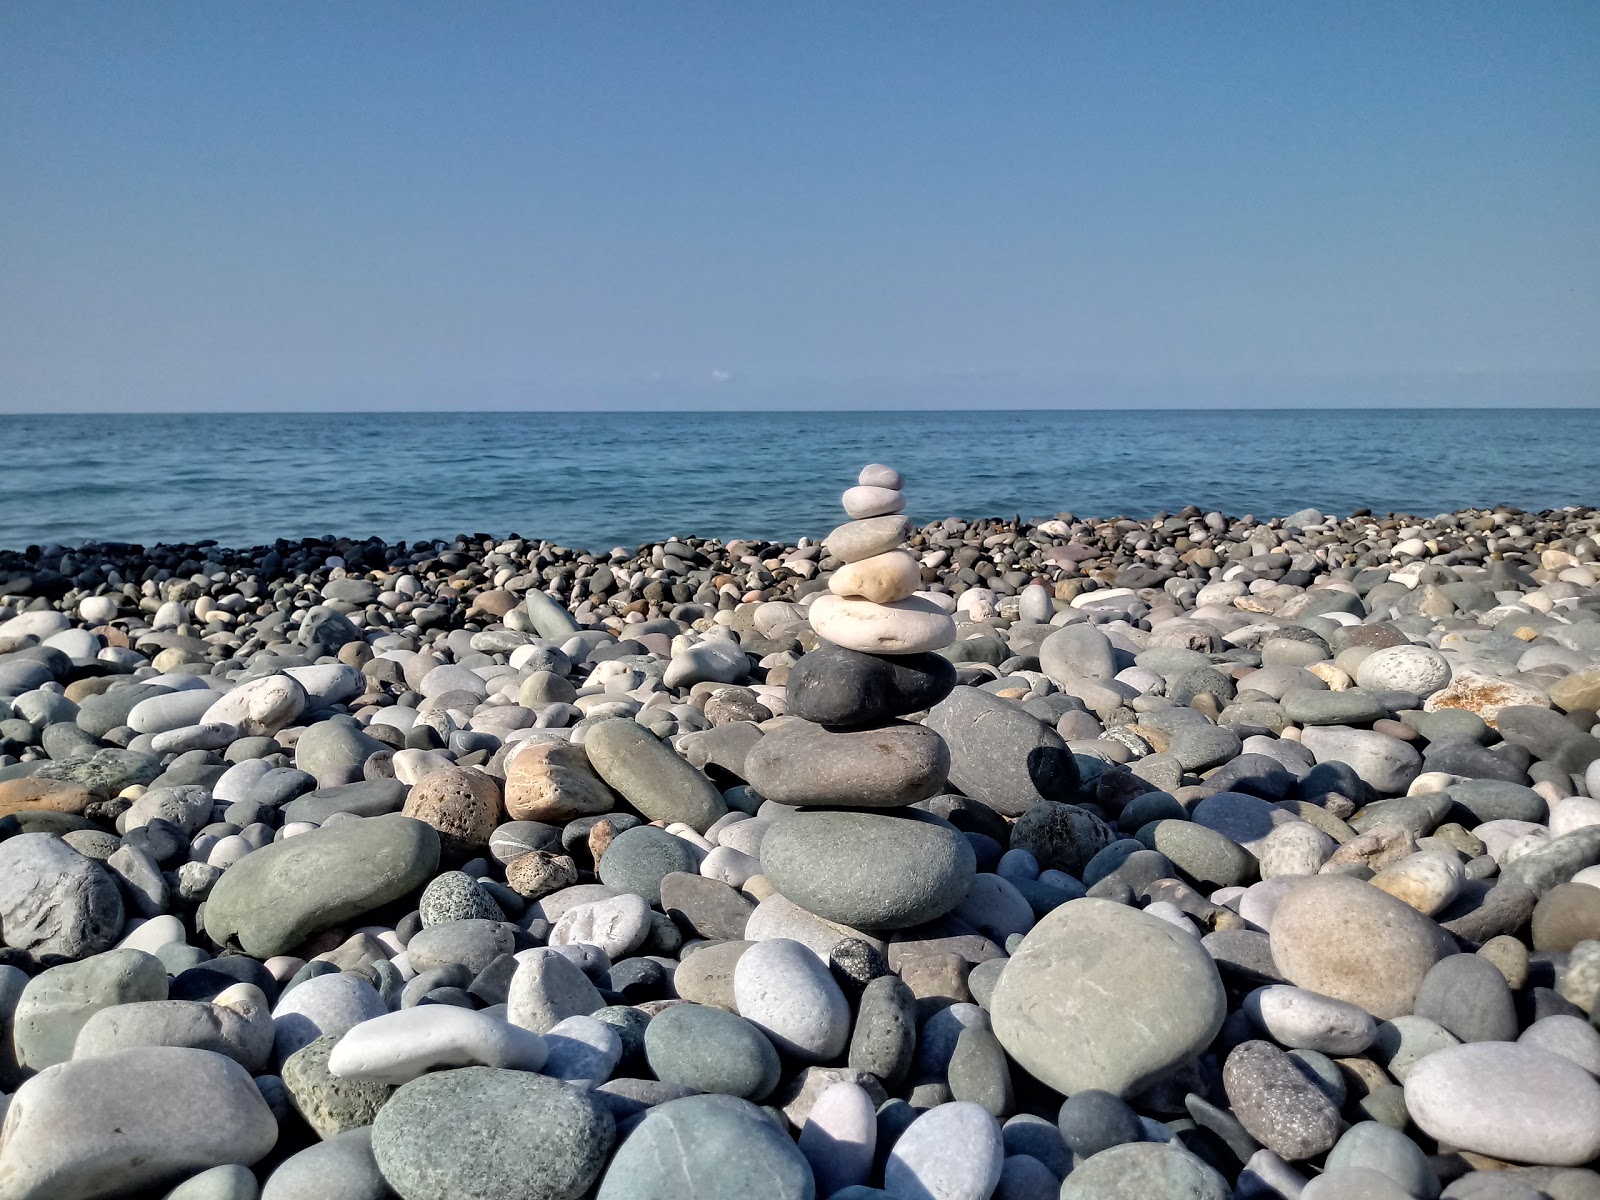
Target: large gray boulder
137	1120
54	900
1103	996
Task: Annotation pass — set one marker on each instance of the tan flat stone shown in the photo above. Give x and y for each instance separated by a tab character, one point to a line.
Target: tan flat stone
51	795
883	578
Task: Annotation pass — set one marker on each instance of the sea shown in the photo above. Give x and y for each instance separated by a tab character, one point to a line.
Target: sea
599	480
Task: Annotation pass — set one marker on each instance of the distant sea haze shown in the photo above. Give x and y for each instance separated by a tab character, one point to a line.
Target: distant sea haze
602	479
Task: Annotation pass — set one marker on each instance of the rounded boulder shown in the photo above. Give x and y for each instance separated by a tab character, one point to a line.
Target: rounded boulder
1344	938
1102	996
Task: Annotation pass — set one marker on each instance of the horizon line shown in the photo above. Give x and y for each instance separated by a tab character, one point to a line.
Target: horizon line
729	410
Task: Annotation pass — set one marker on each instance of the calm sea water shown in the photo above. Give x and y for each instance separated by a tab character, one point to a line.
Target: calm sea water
604	479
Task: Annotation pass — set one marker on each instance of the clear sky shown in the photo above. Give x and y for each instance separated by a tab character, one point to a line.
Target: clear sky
351	204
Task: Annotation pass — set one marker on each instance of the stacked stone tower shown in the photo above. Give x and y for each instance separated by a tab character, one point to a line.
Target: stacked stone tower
857	853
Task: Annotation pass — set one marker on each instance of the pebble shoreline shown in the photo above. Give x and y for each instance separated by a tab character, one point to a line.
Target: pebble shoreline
1179	859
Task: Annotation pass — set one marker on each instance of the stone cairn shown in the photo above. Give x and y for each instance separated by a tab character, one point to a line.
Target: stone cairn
860	856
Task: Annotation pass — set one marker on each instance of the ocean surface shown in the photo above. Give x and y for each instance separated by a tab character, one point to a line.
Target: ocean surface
603	479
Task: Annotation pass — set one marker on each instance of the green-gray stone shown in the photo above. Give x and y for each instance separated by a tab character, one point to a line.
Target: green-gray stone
708	1148
481	1133
107	771
1448	725
329	1104
639	858
650	775
1203	855
56	1003
1095	974
980	1073
1144	1171
275	898
1310	706
711	1051
869	870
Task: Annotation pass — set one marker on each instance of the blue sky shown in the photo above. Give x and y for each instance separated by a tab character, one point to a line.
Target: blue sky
314	205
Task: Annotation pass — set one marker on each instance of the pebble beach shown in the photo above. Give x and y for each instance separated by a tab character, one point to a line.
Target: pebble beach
1182	858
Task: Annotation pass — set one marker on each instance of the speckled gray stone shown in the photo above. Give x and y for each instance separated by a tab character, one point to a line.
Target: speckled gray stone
707	1148
511	1133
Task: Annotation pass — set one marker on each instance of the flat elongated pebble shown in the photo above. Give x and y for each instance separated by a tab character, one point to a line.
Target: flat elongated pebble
399	1046
1387	764
866	500
238	1024
868	869
950	1152
1509	1101
278	896
909	626
837	687
889	766
786	990
856	540
1294	1017
650	775
840	1137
